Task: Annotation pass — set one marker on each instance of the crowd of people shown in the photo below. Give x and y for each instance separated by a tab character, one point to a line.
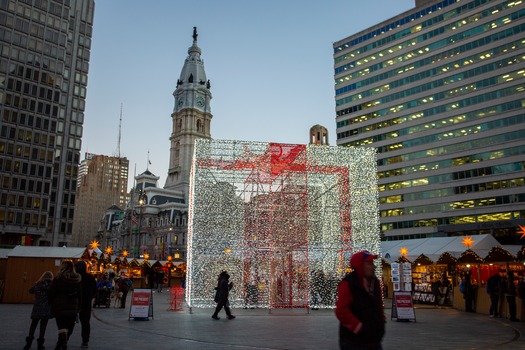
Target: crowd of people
68	297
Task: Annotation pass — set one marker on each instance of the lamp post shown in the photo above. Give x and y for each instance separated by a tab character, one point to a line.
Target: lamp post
135	235
141	205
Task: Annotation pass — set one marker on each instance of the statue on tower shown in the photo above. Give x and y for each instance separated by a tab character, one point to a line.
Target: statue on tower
195	35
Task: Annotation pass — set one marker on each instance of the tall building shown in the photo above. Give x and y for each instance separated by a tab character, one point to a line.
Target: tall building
191	118
439	91
155	221
102	183
45	49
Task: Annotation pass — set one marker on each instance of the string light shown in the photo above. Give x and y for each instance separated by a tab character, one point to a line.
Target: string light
282	219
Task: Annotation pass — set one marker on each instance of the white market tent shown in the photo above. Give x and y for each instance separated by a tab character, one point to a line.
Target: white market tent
46	252
435	246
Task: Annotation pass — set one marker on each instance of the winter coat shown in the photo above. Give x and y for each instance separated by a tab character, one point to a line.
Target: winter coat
124	284
41	307
223	289
89	288
365	307
360	309
65	295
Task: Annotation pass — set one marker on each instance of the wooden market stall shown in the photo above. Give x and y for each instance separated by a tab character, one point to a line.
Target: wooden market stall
3	268
25	265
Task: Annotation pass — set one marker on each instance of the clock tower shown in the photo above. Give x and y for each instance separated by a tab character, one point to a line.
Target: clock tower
191	118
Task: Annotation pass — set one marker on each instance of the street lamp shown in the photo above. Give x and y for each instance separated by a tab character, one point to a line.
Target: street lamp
135	235
142	201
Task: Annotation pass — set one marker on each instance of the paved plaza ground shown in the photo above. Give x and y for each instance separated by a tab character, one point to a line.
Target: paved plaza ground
435	328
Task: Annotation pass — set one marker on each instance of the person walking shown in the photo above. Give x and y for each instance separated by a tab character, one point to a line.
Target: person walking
521	294
468	291
159	276
510	294
41	309
89	288
221	296
65	296
359	306
124	285
493	284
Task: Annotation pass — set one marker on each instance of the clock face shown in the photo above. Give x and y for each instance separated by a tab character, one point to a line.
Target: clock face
200	101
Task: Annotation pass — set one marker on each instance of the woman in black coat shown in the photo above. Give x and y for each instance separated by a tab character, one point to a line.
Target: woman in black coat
41	309
65	297
221	296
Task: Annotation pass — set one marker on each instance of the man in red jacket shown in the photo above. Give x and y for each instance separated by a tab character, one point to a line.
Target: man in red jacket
359	306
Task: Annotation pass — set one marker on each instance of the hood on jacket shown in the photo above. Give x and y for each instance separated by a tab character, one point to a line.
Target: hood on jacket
357	260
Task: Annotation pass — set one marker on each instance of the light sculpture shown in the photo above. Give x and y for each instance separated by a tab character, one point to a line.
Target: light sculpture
282	219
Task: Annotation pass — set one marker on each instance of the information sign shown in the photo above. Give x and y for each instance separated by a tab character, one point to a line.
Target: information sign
141	304
402	306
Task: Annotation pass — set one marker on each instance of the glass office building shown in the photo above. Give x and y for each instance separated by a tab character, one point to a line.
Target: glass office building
44	59
439	90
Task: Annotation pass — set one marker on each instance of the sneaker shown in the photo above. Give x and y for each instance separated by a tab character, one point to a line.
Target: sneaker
84	345
216	317
231	317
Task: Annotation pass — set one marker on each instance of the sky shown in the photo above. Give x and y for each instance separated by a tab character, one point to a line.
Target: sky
270	65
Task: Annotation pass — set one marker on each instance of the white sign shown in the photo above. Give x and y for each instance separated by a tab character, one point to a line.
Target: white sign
141	304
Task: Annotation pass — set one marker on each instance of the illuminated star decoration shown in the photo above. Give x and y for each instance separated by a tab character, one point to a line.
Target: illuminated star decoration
468	242
94	244
522	232
146	256
125	253
109	250
403	251
281	219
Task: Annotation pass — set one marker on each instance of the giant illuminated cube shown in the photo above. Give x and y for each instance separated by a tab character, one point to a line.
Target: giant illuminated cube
282	219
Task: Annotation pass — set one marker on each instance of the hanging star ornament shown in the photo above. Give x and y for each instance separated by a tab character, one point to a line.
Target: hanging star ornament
125	253
94	244
522	232
403	251
109	250
468	241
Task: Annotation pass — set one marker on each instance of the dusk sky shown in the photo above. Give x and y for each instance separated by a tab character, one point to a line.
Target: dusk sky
270	64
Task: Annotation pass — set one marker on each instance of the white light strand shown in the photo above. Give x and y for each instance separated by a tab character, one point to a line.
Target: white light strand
282	219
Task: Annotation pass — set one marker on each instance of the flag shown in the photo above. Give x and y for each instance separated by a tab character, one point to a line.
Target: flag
149	162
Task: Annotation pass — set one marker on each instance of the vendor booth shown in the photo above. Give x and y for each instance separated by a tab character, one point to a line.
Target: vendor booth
25	265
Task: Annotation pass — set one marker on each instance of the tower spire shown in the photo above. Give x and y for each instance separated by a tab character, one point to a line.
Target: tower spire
191	117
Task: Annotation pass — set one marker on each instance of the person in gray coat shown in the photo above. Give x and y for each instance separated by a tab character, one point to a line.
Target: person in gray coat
41	309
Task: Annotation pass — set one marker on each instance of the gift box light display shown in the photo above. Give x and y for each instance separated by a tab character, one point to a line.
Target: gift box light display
282	219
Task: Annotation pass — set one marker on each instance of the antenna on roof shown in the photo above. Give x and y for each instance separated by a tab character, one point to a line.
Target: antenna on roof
119	132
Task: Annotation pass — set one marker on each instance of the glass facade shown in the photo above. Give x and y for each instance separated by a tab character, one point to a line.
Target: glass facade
44	59
439	91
